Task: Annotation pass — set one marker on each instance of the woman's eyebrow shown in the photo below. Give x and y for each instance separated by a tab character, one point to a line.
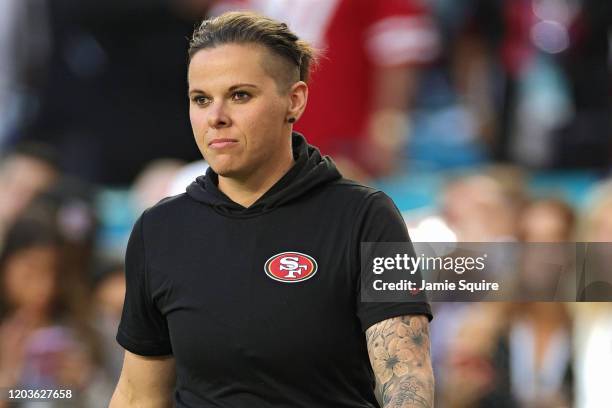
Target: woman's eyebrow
231	88
196	91
234	87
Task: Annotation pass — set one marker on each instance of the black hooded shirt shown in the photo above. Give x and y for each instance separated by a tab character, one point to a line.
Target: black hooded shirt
261	306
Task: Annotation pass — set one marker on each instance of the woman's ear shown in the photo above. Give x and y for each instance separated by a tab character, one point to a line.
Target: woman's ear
298	97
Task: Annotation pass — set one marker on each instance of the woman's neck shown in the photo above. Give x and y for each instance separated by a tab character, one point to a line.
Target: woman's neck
248	190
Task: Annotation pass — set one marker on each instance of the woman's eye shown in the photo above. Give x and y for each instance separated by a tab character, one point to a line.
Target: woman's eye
201	100
240	96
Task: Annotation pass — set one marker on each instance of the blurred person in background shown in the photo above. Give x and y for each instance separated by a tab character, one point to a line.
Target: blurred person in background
547	64
483	208
44	340
10	13
522	355
186	174
477	208
364	82
69	204
596	281
547	220
24	44
544	224
108	295
511	355
597	220
25	171
593	334
541	353
154	182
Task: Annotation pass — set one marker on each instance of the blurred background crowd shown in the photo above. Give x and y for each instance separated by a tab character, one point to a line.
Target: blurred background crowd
485	120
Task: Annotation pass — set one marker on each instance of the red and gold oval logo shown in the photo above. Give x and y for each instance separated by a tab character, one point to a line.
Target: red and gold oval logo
291	267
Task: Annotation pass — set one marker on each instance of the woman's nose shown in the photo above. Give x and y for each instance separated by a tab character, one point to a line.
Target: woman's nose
218	116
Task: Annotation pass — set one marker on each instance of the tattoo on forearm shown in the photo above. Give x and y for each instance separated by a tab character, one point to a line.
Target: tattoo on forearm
399	353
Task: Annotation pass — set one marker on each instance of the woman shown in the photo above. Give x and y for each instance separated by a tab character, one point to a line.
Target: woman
244	291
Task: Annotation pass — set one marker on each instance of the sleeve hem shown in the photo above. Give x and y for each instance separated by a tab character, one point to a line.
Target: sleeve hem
398	310
143	348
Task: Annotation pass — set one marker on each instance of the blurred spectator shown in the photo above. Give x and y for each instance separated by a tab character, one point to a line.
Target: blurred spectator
594	320
185	176
24	172
361	90
69	204
532	360
586	139
597	223
540	350
454	111
593	336
523	354
477	208
544	225
109	292
547	220
9	15
556	102
22	51
45	340
466	373
153	183
596	282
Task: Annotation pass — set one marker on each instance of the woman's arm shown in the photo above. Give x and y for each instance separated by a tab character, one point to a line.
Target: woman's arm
145	382
400	356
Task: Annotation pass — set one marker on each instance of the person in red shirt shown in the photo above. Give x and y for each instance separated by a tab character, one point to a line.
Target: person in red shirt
360	91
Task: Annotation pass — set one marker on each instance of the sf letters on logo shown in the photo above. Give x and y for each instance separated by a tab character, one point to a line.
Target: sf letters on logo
290	264
290	267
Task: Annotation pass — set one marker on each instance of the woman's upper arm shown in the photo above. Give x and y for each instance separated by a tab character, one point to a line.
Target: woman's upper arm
145	382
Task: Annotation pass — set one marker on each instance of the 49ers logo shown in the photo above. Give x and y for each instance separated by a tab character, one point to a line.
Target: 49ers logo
291	267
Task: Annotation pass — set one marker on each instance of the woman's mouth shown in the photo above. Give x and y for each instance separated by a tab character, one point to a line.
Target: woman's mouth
222	143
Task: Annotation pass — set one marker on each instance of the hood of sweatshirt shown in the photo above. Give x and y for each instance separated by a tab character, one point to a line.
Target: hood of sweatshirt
309	171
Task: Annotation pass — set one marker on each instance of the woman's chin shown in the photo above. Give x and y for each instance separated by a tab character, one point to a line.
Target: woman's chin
226	170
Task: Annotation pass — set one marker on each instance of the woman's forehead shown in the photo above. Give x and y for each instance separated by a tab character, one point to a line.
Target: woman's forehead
228	64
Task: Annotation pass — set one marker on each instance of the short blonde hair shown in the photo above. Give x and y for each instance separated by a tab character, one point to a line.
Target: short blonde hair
239	27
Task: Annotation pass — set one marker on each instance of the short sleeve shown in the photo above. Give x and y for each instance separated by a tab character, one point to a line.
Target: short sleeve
400	32
381	221
143	329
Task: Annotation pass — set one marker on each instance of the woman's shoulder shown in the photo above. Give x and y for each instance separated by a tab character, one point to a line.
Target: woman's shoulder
355	194
169	207
352	188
